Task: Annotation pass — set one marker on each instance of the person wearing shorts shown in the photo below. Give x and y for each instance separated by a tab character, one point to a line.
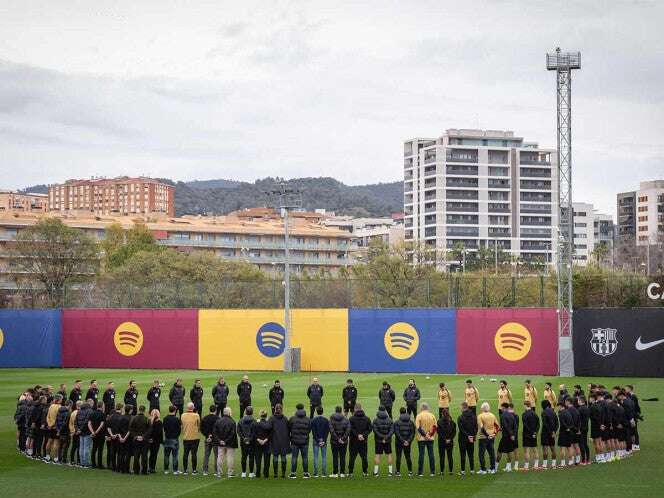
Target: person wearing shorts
383	430
548	434
531	426
565	436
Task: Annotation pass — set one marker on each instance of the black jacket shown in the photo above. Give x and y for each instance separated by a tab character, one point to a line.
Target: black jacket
208	423
21	413
576	418
299	427
404	429
531	423
596	414
566	421
339	429
383	427
139	426
446	430
131	396
549	421
264	430
244	392
349	393
62	420
93	393
386	397
635	400
618	415
157	432
411	395
280	442
315	394
508	424
359	425
584	417
153	397
196	396
172	427
82	418
276	396
220	393
123	426
226	431
75	395
113	424
467	423
176	395
630	410
246	430
109	401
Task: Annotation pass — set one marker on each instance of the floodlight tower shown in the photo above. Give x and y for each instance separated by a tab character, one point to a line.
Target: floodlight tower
563	64
287	199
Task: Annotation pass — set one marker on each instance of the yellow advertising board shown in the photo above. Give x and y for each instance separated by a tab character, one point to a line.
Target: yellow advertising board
255	339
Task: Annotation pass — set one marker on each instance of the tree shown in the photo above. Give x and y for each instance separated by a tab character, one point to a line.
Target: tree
55	255
600	252
120	245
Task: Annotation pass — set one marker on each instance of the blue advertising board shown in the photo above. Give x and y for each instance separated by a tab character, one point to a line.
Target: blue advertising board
30	338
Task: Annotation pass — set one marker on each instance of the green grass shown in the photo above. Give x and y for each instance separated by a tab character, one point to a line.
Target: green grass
639	475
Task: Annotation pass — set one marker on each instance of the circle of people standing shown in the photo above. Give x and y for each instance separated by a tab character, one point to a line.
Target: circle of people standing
74	429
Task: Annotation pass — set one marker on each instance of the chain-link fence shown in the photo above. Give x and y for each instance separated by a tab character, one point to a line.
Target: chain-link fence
438	291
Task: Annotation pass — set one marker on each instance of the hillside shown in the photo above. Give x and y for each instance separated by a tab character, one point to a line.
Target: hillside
222	196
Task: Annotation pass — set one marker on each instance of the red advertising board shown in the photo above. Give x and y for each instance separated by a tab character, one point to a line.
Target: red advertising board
136	338
507	341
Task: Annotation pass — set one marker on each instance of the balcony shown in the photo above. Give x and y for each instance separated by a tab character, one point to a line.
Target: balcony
462	170
408	163
461	156
498	171
498	157
462	182
493	183
461	194
535	173
535	221
535	185
408	176
430	156
429	196
430	209
250	244
535	197
429	171
462	232
499	196
461	219
499	208
529	245
535	233
535	208
468	244
499	232
462	207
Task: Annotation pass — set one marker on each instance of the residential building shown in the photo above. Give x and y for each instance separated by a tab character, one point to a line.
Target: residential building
481	188
23	201
313	246
122	196
591	228
364	231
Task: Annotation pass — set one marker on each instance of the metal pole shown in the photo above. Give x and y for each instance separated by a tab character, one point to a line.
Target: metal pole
288	356
495	251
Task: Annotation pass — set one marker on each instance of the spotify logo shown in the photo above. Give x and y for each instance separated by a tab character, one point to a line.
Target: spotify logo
512	341
128	339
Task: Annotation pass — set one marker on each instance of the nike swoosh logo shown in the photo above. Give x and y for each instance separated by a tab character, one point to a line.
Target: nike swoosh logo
642	346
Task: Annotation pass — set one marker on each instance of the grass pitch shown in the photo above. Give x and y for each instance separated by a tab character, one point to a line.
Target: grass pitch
639	475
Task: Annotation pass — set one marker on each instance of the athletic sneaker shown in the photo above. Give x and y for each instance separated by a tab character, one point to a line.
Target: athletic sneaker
194	473
398	474
166	472
462	473
244	474
481	472
410	474
292	476
205	473
342	475
307	475
375	474
334	476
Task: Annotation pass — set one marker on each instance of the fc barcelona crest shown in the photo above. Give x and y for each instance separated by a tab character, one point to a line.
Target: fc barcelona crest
604	341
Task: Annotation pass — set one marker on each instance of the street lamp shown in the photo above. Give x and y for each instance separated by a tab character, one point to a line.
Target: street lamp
287	199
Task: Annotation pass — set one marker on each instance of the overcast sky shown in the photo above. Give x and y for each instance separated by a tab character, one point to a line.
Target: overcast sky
221	89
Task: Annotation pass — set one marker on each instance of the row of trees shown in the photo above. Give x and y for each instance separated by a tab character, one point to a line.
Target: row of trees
61	266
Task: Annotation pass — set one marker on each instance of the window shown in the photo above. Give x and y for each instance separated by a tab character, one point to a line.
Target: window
643	228
408	149
643	209
643	198
580	225
643	218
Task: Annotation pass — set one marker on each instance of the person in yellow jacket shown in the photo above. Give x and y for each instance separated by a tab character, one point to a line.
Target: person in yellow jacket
504	395
444	399
191	426
471	396
550	394
487	428
52	442
426	426
530	393
74	453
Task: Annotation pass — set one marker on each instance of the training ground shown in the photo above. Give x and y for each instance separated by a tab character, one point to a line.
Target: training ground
640	475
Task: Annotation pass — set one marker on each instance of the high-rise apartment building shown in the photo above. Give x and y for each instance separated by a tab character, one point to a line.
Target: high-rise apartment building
479	188
23	201
641	214
591	228
116	196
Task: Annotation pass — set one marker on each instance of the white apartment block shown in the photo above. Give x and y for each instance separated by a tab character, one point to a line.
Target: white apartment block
591	228
480	188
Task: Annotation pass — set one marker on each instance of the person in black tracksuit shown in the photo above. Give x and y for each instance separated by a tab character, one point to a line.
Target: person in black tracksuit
576	433
349	396
411	395
154	395
360	428
139	430
37	421
244	394
62	428
196	397
548	435
76	394
176	396
93	391
299	427
131	397
630	419
446	433
263	436
220	395
315	395
637	414
155	440
114	433
584	418
567	431
467	425
98	422
280	440
109	399
531	427
276	395
125	440
211	445
386	397
246	431
339	433
404	434
509	431
383	429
